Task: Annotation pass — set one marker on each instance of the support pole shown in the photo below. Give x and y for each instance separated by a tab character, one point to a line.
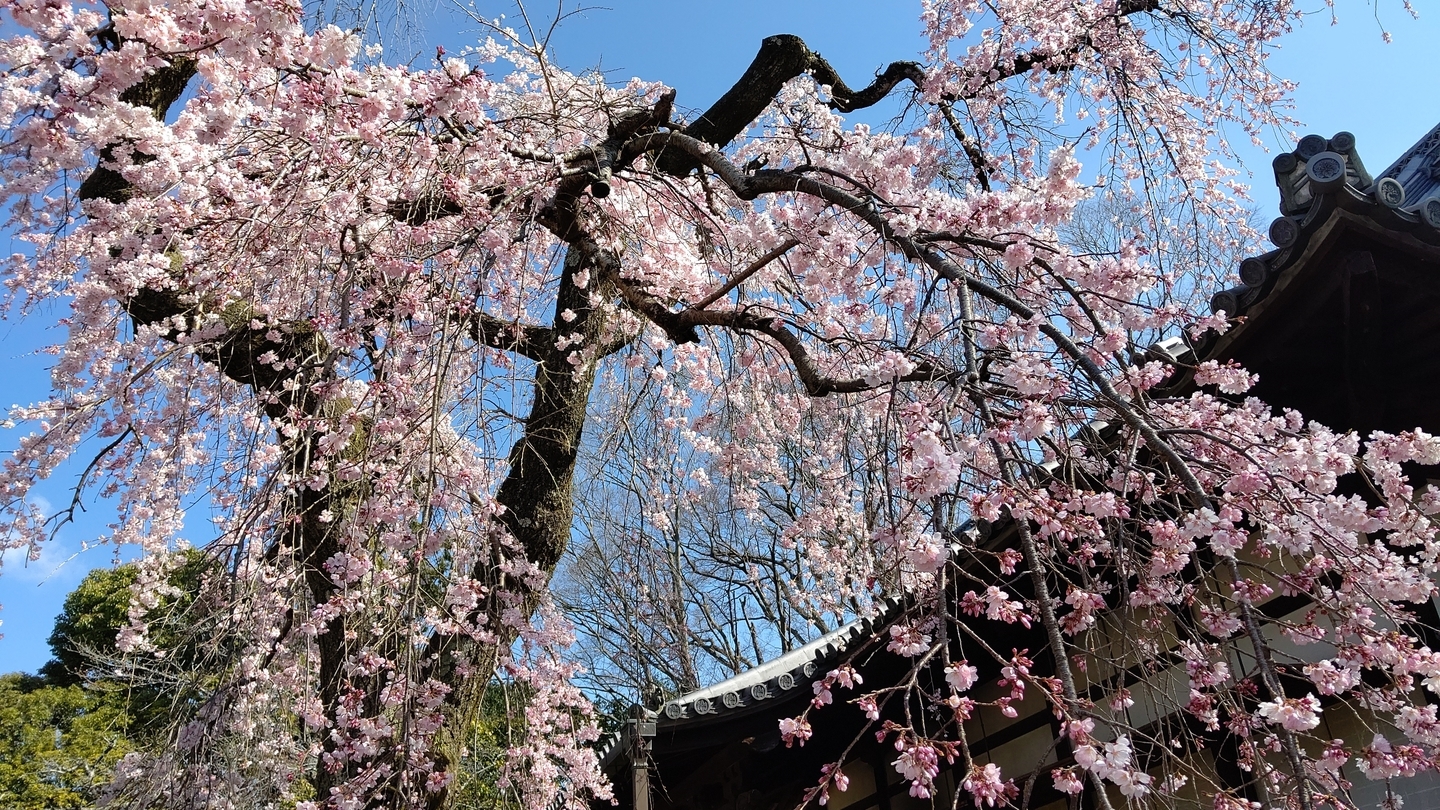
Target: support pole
642	728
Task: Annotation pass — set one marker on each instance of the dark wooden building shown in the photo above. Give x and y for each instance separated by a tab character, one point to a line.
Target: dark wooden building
1341	321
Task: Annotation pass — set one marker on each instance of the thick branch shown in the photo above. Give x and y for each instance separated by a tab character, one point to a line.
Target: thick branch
527	340
844	99
972	151
157	92
681	327
536	492
781	58
1052	60
817	382
752	269
287	385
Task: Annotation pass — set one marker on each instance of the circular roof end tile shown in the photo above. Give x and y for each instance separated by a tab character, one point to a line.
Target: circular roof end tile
1430	212
1284	232
1326	171
1227	301
1389	192
1253	271
1311	145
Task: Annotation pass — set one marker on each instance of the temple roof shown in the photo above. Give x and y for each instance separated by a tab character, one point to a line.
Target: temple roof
1418	173
1322	175
797	668
780	678
1341	321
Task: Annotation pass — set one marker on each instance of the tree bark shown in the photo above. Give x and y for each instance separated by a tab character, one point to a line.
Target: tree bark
536	493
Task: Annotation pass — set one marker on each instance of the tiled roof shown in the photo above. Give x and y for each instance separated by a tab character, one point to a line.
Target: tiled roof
1321	175
1418	171
777	678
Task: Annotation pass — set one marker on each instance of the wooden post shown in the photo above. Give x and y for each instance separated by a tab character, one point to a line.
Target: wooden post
642	728
882	780
1361	322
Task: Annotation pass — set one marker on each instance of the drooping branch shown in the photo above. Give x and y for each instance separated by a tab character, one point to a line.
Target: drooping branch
235	350
749	186
287	387
538	490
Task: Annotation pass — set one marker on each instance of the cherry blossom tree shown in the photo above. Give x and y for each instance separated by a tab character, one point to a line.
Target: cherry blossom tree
365	310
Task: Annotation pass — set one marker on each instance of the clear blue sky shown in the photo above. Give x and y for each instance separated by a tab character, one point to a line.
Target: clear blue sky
1349	79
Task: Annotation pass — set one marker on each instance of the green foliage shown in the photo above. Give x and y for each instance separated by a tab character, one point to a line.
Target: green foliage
63	731
58	744
95	611
85	651
500	721
93	614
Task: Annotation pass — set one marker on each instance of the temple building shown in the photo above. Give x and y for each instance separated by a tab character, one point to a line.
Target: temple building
1341	321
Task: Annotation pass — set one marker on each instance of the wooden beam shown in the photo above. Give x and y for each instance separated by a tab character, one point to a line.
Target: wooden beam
1360	318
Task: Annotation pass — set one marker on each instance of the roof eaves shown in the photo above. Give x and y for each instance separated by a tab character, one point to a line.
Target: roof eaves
1317	180
776	678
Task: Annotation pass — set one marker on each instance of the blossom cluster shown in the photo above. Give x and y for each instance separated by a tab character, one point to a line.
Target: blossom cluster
365	313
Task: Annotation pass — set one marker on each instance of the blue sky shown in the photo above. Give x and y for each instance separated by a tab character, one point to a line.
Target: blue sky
1349	79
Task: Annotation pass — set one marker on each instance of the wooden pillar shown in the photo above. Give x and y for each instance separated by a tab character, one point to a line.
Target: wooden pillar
642	729
1361	322
882	780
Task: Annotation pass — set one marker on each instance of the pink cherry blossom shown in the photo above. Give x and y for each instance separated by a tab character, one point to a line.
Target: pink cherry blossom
961	676
1295	714
399	330
986	786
